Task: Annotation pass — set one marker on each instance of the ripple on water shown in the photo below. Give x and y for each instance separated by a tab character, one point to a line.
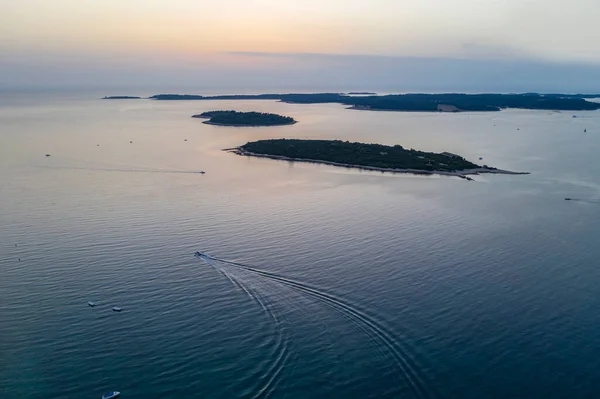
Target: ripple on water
269	290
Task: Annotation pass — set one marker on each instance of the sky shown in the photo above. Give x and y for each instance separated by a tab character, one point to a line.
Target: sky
389	45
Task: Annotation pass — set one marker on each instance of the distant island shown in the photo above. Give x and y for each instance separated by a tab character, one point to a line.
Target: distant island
450	102
362	93
316	98
375	157
121	98
235	118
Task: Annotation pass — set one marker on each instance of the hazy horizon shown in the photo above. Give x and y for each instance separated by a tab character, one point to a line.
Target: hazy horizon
265	45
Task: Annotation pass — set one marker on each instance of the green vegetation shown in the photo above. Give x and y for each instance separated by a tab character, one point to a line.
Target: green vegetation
223	97
572	95
421	102
358	154
235	118
470	102
293	98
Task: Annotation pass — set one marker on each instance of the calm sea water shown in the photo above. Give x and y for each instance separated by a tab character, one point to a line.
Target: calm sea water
326	282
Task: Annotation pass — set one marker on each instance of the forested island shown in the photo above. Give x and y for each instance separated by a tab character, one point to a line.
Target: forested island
365	156
121	98
235	118
316	98
450	102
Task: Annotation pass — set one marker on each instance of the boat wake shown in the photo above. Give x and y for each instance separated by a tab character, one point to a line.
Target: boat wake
280	352
68	163
257	284
587	201
127	170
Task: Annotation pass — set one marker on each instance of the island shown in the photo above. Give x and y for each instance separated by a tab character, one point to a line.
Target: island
121	98
376	157
449	102
235	118
361	93
316	98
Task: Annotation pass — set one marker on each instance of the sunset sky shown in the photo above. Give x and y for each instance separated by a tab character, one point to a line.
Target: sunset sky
246	41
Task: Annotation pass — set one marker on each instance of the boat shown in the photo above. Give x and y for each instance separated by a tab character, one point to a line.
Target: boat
92	304
111	395
117	309
567	199
202	255
202	172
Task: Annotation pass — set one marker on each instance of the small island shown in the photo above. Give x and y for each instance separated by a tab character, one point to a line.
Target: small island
362	93
121	98
375	157
235	118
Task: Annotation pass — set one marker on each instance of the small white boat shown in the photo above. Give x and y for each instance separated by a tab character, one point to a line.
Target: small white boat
111	395
117	309
92	304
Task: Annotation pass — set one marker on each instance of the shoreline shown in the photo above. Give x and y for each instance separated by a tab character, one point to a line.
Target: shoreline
225	124
423	102
437	111
208	122
461	174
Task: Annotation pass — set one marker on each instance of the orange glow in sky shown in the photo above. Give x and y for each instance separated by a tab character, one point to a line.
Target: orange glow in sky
383	27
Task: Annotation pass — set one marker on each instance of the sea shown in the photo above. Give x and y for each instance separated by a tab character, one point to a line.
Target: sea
319	281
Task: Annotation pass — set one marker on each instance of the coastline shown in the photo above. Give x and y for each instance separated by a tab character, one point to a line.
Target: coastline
463	174
209	122
442	110
225	124
415	102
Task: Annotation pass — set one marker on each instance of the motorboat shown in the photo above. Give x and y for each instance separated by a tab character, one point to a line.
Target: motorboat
117	309
198	254
92	304
111	395
567	199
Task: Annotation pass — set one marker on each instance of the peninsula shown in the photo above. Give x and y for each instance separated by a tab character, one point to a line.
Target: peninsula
121	98
450	102
375	157
235	118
